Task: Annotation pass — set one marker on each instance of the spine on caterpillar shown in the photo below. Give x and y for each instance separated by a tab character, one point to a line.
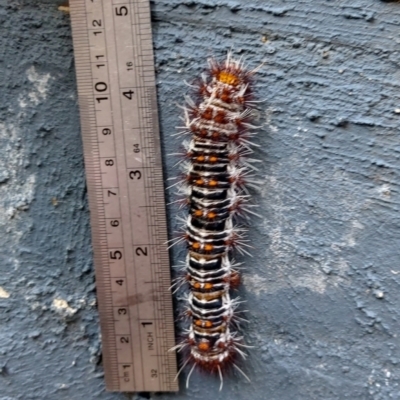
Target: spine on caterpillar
217	172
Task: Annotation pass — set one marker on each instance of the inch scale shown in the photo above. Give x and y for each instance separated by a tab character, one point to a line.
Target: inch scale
119	122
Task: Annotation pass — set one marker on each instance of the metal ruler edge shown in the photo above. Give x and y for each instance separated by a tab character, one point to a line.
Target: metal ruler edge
118	109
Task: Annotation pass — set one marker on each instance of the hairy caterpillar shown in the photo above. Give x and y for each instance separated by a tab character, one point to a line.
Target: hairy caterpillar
217	171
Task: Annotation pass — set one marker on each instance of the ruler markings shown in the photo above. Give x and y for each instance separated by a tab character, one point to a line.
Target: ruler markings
131	222
136	46
86	128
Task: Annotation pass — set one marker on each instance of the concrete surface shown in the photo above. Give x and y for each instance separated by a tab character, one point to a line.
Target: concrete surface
323	285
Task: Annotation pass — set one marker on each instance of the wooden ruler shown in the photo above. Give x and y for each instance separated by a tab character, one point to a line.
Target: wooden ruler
119	121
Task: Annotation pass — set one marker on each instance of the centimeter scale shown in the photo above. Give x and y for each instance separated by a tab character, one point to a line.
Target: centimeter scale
119	121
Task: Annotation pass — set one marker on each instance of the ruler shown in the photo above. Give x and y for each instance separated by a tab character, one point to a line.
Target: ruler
119	122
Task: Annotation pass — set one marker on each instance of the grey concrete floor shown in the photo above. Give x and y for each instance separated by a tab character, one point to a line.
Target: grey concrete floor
322	289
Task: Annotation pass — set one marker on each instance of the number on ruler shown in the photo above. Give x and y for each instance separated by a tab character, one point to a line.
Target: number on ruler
121	11
100	87
128	94
135	174
115	255
141	251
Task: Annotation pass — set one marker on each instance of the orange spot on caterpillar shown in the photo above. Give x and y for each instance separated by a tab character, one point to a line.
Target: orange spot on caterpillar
197	285
204	346
229	78
208	247
212	182
208	285
204	325
211	215
213	159
200	158
198	213
196	246
199	182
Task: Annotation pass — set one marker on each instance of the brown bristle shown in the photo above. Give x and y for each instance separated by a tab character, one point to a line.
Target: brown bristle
235	280
234	136
238	121
220	117
207	114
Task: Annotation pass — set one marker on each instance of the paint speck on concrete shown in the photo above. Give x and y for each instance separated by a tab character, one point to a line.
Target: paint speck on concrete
61	306
4	294
40	83
64	9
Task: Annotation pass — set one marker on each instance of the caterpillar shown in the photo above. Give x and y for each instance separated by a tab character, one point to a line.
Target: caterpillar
217	171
